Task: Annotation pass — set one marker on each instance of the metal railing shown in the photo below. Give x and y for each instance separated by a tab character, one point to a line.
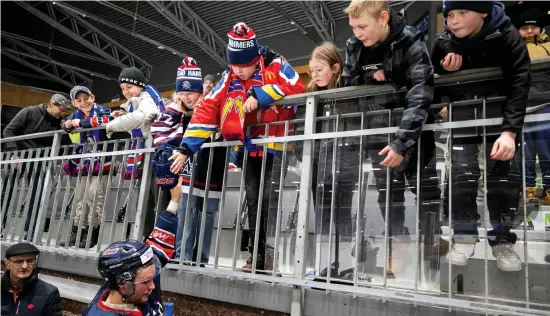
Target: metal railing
299	247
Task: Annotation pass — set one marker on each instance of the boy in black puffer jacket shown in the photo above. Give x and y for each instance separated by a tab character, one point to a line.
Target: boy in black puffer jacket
478	34
385	50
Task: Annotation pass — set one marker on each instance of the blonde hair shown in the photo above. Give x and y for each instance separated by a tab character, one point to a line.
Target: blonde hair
327	52
373	7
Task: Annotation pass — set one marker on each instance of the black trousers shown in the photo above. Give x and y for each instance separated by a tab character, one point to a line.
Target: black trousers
347	169
503	190
270	196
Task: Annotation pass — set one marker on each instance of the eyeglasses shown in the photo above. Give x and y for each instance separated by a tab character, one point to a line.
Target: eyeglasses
21	261
315	72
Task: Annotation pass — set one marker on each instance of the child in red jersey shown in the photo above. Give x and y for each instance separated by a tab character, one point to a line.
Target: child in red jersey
244	96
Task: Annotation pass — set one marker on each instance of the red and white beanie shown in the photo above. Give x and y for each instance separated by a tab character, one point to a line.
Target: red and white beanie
189	76
242	48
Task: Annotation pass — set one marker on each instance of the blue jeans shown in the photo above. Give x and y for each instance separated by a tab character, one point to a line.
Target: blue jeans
233	156
194	229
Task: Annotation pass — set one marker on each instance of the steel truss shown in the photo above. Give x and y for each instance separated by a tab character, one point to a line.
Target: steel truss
88	35
189	23
75	11
43	64
319	15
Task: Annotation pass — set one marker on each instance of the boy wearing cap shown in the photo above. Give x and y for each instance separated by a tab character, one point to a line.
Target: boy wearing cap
479	34
530	24
257	78
88	115
167	134
23	293
144	106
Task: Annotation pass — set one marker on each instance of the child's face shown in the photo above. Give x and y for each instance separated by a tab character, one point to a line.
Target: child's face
465	23
130	90
244	73
529	31
321	72
368	29
84	102
190	99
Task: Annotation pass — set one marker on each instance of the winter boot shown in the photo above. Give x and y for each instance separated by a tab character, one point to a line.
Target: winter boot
260	264
72	238
83	237
93	241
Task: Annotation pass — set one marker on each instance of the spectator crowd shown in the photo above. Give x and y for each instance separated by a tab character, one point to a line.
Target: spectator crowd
382	50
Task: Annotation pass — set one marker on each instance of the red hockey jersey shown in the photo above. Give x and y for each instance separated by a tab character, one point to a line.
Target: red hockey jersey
223	106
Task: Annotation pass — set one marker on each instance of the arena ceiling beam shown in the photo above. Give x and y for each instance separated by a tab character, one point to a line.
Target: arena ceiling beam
89	36
56	73
68	8
188	22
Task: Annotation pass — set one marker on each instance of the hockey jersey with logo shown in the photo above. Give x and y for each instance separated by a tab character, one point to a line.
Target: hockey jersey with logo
91	141
223	106
168	131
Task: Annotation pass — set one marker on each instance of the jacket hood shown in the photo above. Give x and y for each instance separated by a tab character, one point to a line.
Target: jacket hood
397	24
493	22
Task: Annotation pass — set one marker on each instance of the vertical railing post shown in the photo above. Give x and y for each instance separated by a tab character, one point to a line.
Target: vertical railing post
45	198
144	189
300	255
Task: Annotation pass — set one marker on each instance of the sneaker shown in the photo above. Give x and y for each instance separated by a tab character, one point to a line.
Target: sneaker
460	253
546	200
507	258
231	166
531	194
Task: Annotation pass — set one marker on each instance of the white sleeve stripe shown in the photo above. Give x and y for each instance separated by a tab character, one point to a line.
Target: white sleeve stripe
202	126
293	81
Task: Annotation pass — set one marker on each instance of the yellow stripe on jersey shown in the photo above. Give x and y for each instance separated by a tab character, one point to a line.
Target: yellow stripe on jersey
272	92
197	133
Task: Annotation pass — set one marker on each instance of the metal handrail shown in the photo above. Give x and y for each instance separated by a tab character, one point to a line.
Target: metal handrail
459	77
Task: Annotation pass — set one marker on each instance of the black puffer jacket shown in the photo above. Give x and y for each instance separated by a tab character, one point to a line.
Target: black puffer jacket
406	63
37	298
498	44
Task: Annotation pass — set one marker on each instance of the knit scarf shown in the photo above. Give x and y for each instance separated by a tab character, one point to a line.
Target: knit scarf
237	95
93	136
